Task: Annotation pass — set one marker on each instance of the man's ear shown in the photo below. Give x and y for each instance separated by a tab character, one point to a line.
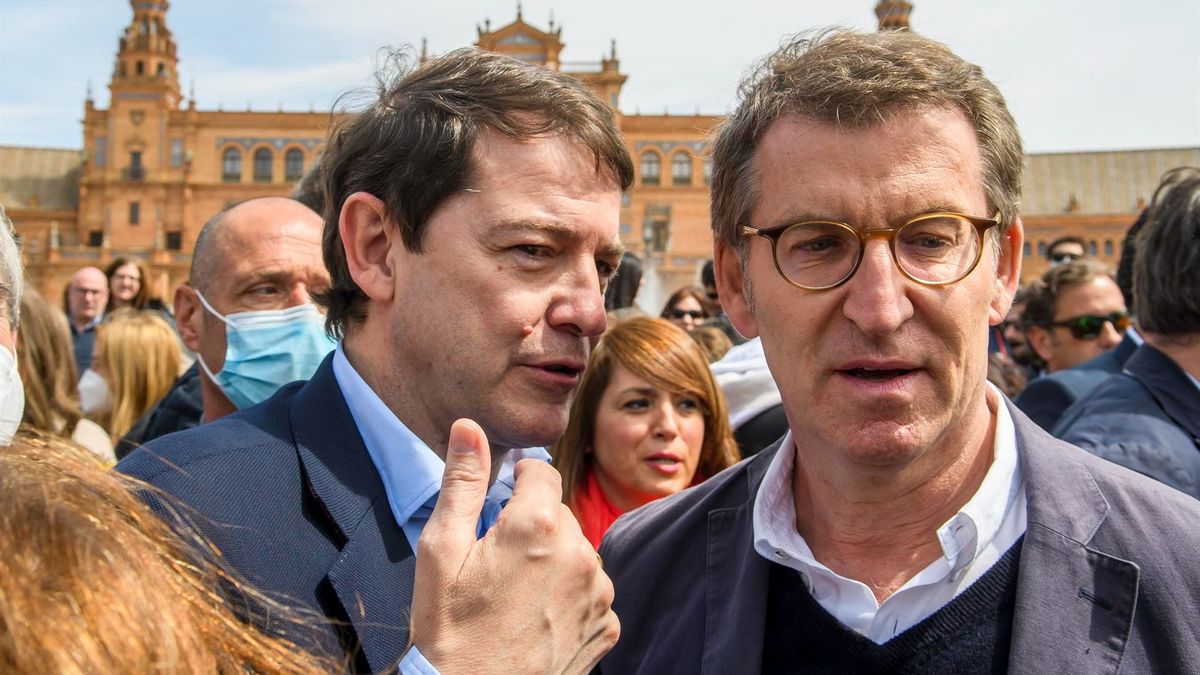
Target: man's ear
1041	341
1008	272
367	239
188	315
731	288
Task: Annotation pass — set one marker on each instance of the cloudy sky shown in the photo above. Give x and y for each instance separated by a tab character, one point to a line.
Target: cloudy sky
1078	74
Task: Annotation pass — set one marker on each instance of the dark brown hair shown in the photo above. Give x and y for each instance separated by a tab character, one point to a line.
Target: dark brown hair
412	148
1166	271
1042	303
143	293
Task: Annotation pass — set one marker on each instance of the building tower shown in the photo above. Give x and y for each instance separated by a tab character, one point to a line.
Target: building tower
893	14
123	185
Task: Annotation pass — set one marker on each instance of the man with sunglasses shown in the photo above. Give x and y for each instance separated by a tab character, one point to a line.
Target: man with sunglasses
864	204
1064	250
1148	417
1076	322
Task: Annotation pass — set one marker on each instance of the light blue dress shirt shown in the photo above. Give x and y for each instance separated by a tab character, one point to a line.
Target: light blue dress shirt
411	472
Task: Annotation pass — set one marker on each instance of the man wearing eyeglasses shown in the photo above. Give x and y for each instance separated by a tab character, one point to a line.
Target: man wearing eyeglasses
1077	324
911	520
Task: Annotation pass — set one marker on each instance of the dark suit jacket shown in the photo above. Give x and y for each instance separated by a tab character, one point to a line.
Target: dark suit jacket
1045	398
289	495
1147	418
1108	573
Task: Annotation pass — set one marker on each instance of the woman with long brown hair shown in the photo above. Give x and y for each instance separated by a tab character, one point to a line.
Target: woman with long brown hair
648	421
46	363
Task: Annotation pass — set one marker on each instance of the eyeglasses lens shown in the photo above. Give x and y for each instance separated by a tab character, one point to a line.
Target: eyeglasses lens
1089	327
936	249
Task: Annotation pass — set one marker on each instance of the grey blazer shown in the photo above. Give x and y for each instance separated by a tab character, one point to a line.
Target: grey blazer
1109	575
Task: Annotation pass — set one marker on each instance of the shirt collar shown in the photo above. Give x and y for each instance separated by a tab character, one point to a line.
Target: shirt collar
961	538
411	472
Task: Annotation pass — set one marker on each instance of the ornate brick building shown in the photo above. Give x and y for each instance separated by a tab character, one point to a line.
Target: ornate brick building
154	168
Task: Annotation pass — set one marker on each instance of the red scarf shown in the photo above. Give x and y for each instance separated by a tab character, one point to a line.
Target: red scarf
594	511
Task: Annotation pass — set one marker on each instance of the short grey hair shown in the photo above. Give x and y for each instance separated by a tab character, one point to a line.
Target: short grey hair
12	273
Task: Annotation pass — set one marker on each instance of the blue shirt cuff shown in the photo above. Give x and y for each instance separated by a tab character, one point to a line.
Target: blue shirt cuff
414	663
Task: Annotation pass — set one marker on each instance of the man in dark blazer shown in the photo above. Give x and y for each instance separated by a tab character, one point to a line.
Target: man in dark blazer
1046	398
470	229
911	520
1148	417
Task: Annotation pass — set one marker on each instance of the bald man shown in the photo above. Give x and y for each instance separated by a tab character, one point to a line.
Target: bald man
255	265
87	294
247	310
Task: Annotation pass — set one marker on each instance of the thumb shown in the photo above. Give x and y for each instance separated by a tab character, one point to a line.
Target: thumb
464	487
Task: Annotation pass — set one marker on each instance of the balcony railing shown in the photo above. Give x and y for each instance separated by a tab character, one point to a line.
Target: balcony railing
134	173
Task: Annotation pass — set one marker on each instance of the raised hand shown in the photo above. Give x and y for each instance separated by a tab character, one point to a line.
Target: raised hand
530	596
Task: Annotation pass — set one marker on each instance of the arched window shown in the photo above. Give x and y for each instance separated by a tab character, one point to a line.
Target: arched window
1108	247
139	68
231	165
681	169
1093	249
1042	248
651	168
293	165
1028	250
262	165
708	170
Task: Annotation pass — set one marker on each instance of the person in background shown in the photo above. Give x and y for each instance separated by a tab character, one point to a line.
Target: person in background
91	581
713	342
1147	417
686	308
756	412
719	318
48	372
1075	313
12	281
137	361
1006	374
622	290
648	421
1077	323
1064	250
1014	331
87	295
256	265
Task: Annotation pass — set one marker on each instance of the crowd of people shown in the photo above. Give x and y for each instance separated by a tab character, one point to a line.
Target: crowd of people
411	419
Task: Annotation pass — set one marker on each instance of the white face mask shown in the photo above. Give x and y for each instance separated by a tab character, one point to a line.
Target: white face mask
95	398
12	397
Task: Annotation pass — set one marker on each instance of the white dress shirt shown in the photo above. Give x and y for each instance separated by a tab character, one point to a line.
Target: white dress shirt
972	541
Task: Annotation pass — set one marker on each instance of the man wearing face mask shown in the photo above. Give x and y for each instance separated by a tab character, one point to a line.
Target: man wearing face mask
12	393
246	313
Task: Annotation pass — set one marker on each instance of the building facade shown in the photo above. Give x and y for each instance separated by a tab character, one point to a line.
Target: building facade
153	168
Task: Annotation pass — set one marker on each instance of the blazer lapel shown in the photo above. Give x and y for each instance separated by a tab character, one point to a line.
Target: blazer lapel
736	579
373	575
1075	604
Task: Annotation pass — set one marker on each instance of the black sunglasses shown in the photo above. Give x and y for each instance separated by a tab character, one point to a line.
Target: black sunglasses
1089	326
1062	258
680	313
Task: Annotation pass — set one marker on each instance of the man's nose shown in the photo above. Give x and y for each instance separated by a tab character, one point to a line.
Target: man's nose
876	296
579	305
